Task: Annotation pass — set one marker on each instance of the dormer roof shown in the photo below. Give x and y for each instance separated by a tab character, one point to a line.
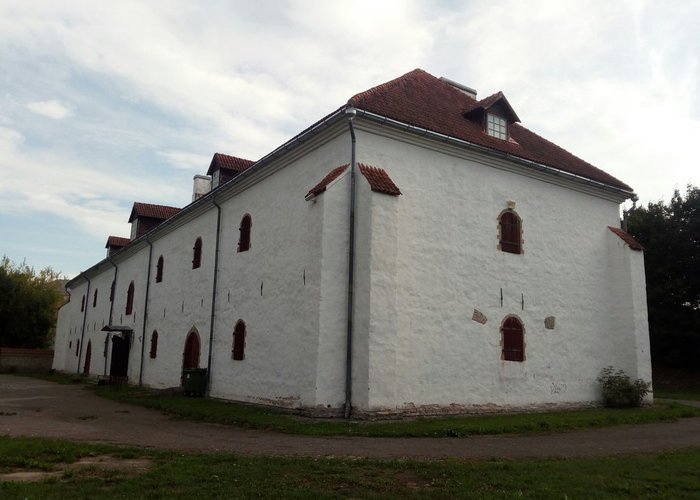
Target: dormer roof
496	102
424	101
221	161
117	242
161	212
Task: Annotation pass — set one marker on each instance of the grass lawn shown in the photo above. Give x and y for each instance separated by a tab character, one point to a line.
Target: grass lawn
177	475
257	417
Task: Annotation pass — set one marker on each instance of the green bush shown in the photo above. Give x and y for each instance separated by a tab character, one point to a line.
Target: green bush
620	391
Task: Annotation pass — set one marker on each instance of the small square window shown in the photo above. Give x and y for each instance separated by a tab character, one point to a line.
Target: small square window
496	126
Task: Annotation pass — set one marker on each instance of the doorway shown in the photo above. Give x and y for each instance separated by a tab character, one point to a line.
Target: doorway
119	365
190	358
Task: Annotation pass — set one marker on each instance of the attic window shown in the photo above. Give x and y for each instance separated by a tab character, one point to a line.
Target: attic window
496	126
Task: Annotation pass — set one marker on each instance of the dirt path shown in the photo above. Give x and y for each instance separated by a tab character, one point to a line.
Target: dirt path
30	407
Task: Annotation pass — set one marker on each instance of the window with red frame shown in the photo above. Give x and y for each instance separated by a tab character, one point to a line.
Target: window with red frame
130	299
244	238
159	270
197	254
510	232
154	345
513	342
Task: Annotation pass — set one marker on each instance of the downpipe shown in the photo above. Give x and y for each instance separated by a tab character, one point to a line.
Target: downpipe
82	331
145	308
350	113
213	294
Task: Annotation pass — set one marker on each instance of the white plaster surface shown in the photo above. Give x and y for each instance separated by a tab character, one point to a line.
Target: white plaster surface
425	261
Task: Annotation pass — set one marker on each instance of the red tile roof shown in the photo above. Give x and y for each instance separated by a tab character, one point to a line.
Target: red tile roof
161	212
627	238
420	99
226	162
321	186
117	241
379	180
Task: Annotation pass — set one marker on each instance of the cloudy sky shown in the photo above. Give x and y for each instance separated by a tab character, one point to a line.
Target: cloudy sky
106	103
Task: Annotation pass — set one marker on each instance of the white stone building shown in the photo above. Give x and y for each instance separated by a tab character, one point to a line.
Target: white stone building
415	251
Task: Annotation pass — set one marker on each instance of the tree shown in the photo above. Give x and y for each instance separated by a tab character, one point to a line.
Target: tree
670	235
28	303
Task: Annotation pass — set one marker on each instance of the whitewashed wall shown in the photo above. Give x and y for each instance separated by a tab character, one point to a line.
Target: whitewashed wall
447	265
181	302
96	318
425	261
276	287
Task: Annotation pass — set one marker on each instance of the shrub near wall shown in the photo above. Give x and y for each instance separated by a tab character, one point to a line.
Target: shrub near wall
14	360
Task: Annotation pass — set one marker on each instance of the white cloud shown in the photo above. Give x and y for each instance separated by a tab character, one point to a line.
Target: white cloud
89	194
161	86
183	160
51	109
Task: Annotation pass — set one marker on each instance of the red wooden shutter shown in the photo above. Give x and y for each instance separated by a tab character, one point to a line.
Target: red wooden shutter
513	340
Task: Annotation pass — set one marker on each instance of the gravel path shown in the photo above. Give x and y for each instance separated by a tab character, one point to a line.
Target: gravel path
30	407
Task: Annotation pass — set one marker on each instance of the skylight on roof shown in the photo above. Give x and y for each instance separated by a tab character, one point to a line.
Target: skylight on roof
496	126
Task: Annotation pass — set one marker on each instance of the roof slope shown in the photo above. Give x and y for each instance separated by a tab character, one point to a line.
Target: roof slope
117	241
627	238
379	180
321	186
153	211
227	162
420	99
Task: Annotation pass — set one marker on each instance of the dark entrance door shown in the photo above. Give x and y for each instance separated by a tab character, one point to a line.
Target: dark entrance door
88	355
120	357
190	358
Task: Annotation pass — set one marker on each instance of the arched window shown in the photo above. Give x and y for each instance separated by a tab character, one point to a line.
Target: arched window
244	239
238	351
197	254
94	299
82	304
159	270
513	342
154	345
510	232
130	299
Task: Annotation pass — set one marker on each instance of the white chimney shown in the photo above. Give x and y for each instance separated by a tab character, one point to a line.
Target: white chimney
463	88
201	186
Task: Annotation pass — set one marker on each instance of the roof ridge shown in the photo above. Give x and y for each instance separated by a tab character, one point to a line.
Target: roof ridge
386	85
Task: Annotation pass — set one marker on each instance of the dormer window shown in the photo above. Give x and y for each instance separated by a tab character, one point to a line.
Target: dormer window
494	114
496	126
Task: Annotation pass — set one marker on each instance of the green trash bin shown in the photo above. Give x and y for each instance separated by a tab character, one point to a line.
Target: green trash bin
194	381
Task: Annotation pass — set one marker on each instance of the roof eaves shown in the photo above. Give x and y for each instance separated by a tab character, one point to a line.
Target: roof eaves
328	179
379	180
627	238
385	120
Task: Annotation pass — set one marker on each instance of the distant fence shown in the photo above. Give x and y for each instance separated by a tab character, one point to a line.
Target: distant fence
13	360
